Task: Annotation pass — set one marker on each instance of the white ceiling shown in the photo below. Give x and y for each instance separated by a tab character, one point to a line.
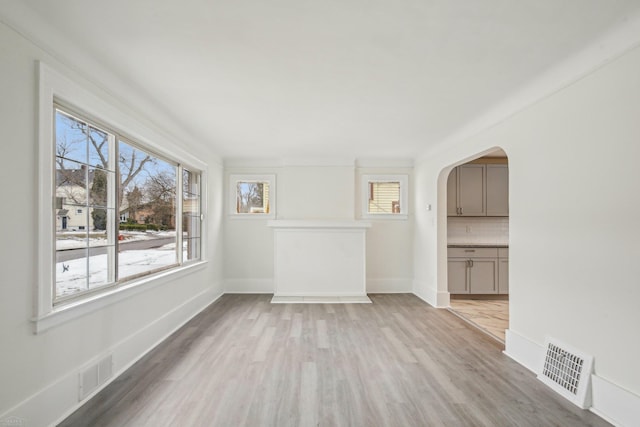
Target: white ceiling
333	78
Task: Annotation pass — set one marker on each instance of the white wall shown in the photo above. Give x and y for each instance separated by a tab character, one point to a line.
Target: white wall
38	373
389	242
327	191
574	209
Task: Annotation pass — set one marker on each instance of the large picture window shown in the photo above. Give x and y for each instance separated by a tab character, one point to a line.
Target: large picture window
117	210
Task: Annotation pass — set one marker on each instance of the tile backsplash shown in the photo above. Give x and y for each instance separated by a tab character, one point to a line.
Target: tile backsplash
478	231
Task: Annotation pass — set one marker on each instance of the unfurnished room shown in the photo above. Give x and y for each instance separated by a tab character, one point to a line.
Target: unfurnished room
295	213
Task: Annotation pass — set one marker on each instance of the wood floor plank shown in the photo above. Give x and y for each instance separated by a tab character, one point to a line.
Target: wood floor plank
398	361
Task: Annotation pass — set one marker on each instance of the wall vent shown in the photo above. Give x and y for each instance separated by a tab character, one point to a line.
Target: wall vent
568	372
94	375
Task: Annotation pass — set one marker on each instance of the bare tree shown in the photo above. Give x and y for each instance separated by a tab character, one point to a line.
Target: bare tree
249	194
160	191
131	164
134	201
130	168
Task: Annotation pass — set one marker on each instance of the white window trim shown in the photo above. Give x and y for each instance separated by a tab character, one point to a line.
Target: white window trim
55	86
235	178
404	196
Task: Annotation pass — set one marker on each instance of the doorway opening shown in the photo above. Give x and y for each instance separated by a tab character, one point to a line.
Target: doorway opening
478	242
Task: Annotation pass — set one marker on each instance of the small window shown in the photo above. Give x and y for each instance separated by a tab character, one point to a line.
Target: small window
78	211
252	195
385	196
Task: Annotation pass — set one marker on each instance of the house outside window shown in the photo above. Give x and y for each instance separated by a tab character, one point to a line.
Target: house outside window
385	196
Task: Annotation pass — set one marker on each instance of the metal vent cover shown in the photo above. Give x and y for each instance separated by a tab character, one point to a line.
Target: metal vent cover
568	372
93	376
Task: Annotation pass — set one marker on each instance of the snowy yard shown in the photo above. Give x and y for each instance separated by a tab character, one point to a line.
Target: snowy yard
71	276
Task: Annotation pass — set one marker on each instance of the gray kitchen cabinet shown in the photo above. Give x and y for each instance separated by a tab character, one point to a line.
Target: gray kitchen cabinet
471	190
478	189
457	273
473	271
503	271
452	193
483	276
497	191
466	191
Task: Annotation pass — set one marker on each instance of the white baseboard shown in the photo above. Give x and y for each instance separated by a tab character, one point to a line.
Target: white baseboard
58	400
432	297
267	286
524	351
249	286
325	299
614	404
609	401
389	286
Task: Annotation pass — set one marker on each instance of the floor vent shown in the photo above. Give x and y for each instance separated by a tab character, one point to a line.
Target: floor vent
94	376
568	372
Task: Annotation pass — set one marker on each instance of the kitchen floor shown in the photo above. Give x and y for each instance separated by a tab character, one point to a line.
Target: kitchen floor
491	316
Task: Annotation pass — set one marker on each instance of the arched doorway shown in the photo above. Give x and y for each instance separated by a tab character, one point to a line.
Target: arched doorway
478	242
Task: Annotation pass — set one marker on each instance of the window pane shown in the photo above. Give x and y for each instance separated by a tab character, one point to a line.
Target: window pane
191	226
99	188
100	273
67	240
191	249
98	148
71	182
252	197
147	196
191	184
102	231
191	220
71	272
71	138
82	214
384	197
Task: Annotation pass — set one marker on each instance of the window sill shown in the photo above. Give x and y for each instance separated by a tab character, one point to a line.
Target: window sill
401	217
73	310
255	216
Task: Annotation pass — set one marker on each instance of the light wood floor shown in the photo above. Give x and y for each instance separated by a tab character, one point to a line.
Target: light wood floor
396	362
492	316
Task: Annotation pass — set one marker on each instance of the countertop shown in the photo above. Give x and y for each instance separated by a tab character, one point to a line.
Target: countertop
477	246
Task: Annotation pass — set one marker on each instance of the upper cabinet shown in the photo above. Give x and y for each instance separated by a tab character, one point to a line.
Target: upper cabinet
477	189
452	193
471	190
497	190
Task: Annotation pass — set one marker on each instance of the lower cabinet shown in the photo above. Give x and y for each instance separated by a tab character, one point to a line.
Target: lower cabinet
477	271
483	276
458	276
503	271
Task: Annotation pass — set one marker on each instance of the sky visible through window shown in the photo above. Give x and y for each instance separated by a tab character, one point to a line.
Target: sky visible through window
73	144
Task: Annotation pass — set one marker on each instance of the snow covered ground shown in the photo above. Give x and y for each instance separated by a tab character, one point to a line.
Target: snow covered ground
71	276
